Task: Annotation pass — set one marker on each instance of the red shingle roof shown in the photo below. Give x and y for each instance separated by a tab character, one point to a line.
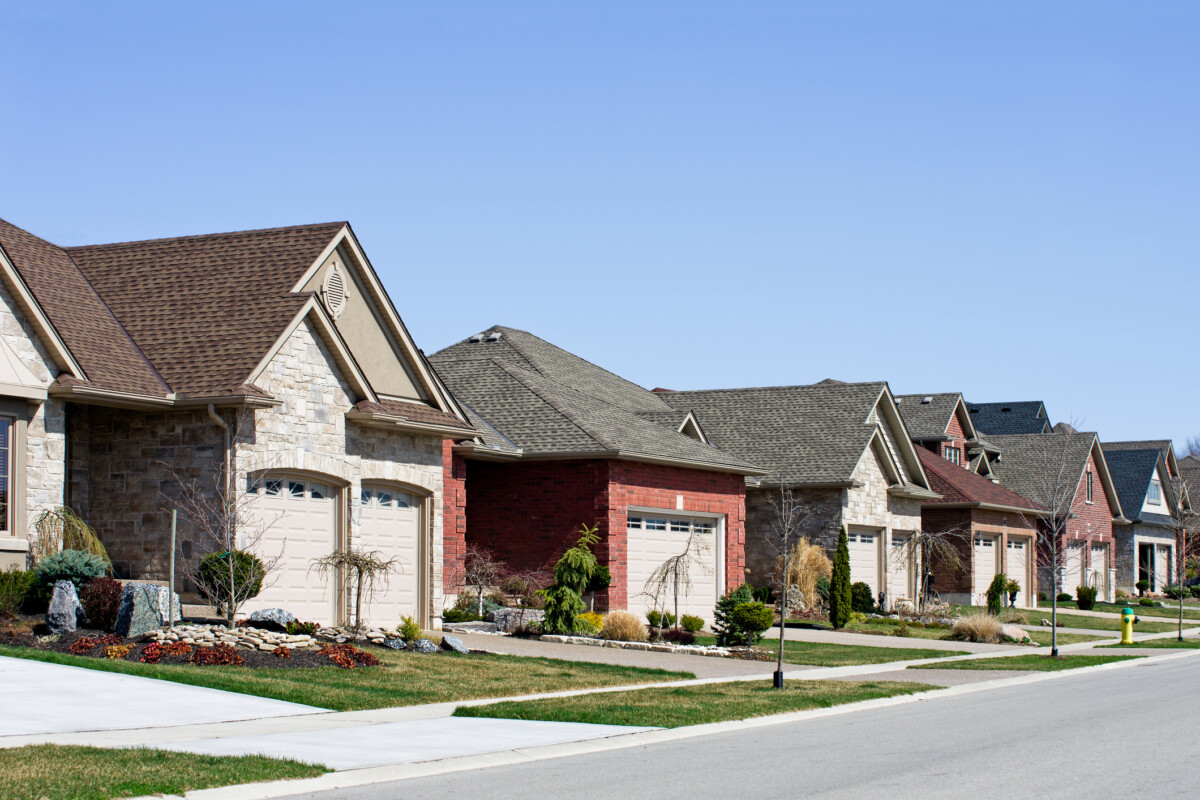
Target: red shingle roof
958	485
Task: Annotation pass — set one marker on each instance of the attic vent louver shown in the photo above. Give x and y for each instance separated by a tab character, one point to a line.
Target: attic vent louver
494	336
1005	410
477	338
334	291
926	400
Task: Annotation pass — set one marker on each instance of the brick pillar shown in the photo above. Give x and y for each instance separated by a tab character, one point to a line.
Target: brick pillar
454	515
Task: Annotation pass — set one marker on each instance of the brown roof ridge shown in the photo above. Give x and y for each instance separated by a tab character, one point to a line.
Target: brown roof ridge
217	235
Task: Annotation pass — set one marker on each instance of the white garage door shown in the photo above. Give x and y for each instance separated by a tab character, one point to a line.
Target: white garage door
986	566
1018	568
1098	571
864	558
1072	567
390	522
301	520
901	569
652	540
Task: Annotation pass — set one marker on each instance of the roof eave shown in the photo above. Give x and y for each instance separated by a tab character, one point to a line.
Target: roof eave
989	507
375	419
91	395
625	455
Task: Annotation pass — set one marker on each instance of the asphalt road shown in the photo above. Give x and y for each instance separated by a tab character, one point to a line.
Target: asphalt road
1118	733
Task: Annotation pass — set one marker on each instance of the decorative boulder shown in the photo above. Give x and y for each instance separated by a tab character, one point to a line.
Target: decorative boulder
272	619
144	608
455	644
1014	633
65	610
425	646
509	619
394	643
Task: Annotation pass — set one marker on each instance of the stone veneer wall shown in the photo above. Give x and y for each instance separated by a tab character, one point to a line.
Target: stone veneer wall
826	508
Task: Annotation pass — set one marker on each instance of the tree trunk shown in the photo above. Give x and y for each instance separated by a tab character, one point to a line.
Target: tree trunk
358	603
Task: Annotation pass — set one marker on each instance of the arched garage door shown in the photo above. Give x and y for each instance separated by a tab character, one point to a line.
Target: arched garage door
390	522
300	517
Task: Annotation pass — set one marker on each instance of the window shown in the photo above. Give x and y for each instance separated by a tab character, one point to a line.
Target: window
634	522
680	526
656	524
295	489
700	526
274	488
318	491
404	500
1089	486
1154	495
952	454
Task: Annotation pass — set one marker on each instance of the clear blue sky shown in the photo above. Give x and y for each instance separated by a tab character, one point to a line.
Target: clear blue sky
993	198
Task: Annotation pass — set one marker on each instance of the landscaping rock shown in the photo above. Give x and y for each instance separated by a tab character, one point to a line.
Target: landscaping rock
273	619
471	627
65	611
508	619
394	643
455	644
425	646
143	609
1014	633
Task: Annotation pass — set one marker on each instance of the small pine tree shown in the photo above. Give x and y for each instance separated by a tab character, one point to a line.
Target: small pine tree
840	597
728	633
564	600
995	594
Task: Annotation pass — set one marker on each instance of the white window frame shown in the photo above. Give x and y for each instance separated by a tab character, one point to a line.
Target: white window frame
1154	493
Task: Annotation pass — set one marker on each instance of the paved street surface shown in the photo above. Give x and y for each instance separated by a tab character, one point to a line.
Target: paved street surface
1057	738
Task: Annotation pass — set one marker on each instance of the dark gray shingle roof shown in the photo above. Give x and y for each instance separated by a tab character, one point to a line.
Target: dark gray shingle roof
1003	419
927	420
1030	461
1131	472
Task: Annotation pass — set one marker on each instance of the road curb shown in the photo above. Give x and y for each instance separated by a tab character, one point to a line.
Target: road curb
373	775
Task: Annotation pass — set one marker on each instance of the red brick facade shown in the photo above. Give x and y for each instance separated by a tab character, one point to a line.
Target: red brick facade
527	513
1092	522
454	514
958	438
971	521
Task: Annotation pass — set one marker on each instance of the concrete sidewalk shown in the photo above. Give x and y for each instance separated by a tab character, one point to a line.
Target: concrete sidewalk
876	640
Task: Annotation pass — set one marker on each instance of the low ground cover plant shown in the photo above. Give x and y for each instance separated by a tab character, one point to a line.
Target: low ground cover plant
347	656
221	655
298	628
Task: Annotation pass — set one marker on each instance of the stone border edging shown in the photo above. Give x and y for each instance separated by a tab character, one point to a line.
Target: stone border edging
685	649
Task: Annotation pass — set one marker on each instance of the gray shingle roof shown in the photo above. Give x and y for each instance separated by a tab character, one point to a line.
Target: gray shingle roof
1189	470
1030	461
927	420
802	434
1131	472
1004	419
542	416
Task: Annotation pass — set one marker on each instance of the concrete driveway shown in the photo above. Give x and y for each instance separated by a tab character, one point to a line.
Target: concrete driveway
42	698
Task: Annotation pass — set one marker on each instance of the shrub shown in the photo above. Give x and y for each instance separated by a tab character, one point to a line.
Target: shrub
14	586
409	629
212	577
572	572
459	615
1042	596
601	579
589	622
995	593
862	599
1063	597
1085	597
101	599
723	626
763	594
691	624
621	626
1174	591
75	566
840	598
808	565
1145	601
750	620
298	628
901	629
221	655
1121	594
823	585
977	627
679	636
1142	586
856	617
1195	590
660	619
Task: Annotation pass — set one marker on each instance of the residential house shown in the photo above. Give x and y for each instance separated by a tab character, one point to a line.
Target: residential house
269	365
941	424
1146	477
563	443
1029	467
843	450
1006	419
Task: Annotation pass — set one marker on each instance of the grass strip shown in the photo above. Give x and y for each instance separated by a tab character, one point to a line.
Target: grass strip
54	772
1169	612
1030	661
1191	643
674	707
403	679
821	654
1042	637
1069	620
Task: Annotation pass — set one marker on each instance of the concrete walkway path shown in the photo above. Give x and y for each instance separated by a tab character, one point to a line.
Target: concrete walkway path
42	698
875	640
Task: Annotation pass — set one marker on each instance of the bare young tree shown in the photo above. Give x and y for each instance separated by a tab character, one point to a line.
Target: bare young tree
674	575
1187	539
223	526
481	570
368	571
923	550
791	520
1191	447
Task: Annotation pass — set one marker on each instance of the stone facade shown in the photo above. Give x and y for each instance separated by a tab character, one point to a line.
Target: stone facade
1126	539
825	506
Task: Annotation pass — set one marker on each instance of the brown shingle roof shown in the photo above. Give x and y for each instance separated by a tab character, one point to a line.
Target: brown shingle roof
206	309
97	341
958	485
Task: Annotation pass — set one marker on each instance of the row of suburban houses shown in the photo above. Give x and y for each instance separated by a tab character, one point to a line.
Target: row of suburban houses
273	365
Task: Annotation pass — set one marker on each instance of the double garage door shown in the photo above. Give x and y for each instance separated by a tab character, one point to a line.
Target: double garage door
301	518
655	538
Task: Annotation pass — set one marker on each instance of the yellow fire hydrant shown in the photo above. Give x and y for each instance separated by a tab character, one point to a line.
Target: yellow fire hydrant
1127	620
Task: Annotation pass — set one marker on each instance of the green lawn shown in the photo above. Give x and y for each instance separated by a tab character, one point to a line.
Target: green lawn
1189	643
693	705
1042	637
52	772
1030	661
1171	612
404	679
820	654
1070	620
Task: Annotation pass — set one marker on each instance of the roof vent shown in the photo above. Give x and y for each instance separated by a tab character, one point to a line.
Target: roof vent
1005	410
494	336
334	291
926	400
477	338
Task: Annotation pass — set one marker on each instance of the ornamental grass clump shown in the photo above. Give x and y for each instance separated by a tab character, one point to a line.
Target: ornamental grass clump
977	627
621	626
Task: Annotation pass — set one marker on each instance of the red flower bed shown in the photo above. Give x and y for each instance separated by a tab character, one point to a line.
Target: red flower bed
347	656
156	651
86	644
282	652
221	655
